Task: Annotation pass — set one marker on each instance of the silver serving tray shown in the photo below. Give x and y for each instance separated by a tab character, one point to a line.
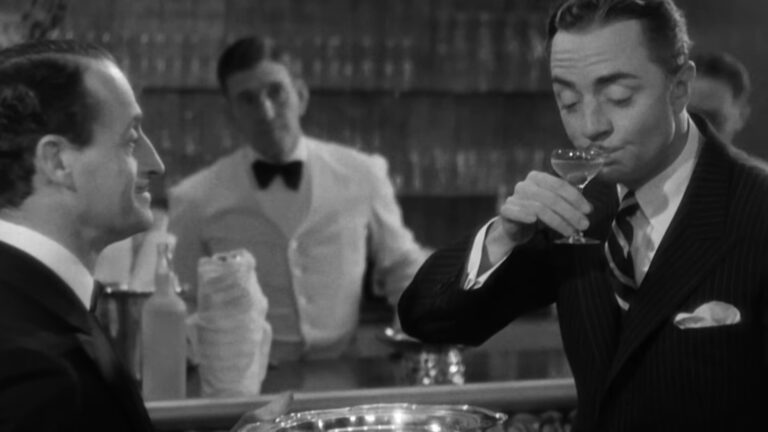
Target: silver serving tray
387	418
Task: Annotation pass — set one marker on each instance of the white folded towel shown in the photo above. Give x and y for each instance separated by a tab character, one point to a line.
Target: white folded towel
231	336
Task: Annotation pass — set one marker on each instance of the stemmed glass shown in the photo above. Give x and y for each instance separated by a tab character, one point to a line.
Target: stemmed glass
577	167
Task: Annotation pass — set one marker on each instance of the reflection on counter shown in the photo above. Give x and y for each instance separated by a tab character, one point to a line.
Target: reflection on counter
522	371
482	366
526	350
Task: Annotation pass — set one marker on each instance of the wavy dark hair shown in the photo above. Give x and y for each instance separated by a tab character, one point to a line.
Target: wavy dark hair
42	92
664	25
249	51
724	67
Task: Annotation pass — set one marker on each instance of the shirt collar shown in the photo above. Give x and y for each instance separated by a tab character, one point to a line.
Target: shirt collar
51	254
300	153
660	197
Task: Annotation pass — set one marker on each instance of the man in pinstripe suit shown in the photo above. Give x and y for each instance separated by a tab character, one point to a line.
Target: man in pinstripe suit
664	323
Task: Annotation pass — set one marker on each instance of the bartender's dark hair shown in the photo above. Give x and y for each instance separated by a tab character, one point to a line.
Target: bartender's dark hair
247	52
726	68
664	25
42	92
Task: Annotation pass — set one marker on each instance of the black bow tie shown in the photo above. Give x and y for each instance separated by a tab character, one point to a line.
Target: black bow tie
265	172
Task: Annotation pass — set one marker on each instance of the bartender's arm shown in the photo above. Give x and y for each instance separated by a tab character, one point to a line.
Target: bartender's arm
396	254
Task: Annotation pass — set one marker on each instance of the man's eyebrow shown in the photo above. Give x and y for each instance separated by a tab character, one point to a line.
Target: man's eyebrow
563	82
609	79
602	81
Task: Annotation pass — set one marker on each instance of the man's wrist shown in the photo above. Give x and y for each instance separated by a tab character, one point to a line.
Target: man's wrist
497	243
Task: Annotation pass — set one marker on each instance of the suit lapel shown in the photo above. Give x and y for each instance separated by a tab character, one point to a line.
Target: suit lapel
595	295
32	279
693	242
600	315
119	380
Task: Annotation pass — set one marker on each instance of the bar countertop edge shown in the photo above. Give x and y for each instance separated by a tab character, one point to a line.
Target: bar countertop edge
505	396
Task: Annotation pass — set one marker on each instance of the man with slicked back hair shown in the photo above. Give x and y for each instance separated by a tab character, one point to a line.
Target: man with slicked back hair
75	168
664	320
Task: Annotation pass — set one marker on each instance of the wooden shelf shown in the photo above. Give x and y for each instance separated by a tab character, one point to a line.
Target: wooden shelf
378	92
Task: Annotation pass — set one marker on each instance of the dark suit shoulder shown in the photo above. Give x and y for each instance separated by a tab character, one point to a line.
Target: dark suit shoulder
39	391
749	186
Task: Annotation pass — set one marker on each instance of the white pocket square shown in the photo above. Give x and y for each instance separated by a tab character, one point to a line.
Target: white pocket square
712	314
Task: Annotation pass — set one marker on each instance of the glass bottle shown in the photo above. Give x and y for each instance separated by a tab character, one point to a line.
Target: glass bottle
164	345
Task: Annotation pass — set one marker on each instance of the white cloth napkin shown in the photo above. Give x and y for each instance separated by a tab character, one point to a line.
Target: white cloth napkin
231	337
712	314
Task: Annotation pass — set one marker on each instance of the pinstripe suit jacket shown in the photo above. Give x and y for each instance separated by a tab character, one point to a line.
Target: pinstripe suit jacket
639	372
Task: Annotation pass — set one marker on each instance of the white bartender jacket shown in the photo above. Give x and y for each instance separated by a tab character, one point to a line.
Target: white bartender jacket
313	275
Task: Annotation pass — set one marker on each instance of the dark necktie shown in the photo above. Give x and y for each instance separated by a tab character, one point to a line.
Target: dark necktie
618	254
96	294
265	172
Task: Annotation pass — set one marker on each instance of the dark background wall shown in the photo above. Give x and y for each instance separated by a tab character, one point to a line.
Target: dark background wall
738	27
456	95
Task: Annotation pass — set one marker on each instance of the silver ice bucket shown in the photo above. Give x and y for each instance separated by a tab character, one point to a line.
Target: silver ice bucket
397	417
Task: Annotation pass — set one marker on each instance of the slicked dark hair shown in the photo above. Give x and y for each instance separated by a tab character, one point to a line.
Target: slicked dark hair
42	92
247	52
663	23
724	67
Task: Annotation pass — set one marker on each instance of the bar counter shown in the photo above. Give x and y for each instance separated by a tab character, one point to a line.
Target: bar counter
506	396
525	372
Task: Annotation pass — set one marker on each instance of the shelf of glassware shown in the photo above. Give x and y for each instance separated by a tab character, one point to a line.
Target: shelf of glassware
436	142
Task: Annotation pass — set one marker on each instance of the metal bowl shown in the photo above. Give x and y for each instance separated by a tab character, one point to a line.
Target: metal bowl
387	418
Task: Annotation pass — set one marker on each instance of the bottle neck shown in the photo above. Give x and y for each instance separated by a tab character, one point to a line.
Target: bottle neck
164	284
164	277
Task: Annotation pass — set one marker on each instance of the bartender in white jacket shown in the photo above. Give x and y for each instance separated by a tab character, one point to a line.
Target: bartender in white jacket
309	211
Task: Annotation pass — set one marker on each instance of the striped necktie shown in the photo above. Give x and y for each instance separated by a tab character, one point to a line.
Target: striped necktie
618	254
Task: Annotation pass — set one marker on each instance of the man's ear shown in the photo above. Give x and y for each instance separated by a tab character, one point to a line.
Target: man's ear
744	111
54	160
682	83
303	92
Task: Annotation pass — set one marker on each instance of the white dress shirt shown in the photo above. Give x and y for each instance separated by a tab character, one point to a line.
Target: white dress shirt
658	199
51	254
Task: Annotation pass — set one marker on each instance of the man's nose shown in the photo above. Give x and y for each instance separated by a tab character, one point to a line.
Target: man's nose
266	107
148	159
597	126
